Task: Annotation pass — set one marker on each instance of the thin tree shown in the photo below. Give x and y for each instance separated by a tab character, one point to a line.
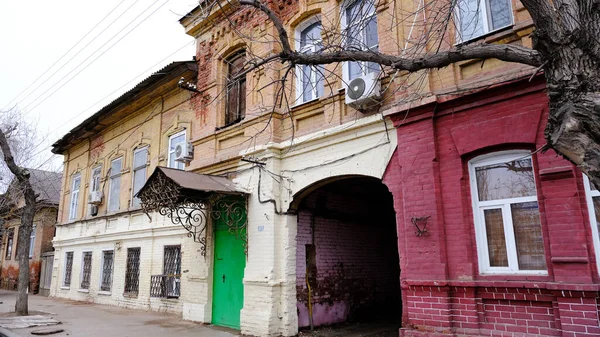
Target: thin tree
13	144
566	49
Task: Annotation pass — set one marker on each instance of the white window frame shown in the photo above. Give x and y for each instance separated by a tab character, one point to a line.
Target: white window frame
344	24
589	194
114	175
312	48
112	273
96	172
172	152
504	205
74	203
64	272
485	19
32	241
136	169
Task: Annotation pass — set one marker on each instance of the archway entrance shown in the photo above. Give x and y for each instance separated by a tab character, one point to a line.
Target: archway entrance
347	264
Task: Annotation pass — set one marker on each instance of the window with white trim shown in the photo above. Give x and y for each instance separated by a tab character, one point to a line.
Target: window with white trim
593	202
174	140
507	219
75	186
95	181
140	162
114	188
32	241
480	17
309	79
359	21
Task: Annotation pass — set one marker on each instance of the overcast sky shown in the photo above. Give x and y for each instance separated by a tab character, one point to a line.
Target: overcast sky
137	38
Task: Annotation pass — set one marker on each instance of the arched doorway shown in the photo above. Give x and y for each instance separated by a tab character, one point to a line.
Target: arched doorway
347	263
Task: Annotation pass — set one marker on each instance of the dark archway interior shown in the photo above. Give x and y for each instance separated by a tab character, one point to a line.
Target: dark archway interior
347	263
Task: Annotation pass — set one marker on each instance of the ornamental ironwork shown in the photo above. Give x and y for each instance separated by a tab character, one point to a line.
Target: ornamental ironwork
192	209
132	272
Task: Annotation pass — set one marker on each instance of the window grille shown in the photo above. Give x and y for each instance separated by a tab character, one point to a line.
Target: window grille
132	271
87	270
168	285
68	269
107	267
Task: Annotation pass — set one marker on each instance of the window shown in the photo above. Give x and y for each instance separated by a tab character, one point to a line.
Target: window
140	158
507	218
95	183
174	140
132	271
32	241
479	17
68	269
359	21
310	79
75	185
235	108
9	244
169	284
86	270
593	201
114	188
107	268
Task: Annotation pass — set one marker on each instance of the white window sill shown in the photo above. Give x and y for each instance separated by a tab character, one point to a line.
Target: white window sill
83	290
105	293
515	273
65	288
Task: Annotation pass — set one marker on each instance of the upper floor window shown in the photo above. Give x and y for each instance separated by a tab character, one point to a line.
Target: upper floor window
309	84
75	186
174	140
235	108
9	243
114	189
593	202
360	22
479	17
32	241
507	218
140	159
95	181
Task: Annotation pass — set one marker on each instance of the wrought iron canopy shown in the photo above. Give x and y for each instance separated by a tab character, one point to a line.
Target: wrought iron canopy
190	199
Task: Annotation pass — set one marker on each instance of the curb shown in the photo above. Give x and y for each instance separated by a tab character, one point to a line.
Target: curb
7	333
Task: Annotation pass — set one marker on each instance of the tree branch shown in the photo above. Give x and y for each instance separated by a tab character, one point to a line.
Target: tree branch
283	37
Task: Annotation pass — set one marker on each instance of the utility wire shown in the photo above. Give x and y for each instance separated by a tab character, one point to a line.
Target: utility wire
96	58
65	54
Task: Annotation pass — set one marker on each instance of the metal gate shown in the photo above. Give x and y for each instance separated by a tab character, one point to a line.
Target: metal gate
46	273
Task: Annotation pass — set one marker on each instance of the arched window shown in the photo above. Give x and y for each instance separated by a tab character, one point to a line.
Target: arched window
505	209
310	79
359	21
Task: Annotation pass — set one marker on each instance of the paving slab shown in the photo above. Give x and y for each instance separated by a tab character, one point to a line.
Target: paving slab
82	319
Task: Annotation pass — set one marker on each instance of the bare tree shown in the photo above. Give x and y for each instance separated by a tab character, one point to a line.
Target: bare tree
15	145
566	47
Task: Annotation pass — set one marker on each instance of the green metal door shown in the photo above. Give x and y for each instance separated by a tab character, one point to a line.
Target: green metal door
228	290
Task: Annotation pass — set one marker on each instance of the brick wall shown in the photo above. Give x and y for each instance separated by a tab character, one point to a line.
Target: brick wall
444	292
355	275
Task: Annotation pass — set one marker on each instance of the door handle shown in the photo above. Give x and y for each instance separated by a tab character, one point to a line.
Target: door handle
223	278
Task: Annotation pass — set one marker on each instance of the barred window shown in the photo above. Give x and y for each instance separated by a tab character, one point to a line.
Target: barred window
132	271
168	285
107	268
86	270
68	269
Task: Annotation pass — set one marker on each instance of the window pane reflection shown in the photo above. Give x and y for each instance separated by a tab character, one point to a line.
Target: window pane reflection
528	236
505	180
495	237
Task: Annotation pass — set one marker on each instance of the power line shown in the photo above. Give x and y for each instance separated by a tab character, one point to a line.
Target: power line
87	58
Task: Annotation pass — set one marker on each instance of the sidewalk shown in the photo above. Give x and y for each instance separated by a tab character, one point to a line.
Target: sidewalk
81	319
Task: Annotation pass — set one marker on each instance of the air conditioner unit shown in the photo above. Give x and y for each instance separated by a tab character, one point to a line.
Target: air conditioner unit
364	92
95	197
184	152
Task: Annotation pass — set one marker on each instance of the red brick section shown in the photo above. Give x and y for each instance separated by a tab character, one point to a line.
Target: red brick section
443	292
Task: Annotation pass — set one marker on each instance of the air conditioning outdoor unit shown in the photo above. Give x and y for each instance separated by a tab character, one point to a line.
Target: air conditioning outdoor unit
364	92
95	198
184	152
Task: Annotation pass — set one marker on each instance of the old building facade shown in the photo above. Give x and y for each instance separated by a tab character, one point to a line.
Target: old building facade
46	185
434	210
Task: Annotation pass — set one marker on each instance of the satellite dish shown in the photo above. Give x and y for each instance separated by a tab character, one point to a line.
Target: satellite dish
356	88
178	150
